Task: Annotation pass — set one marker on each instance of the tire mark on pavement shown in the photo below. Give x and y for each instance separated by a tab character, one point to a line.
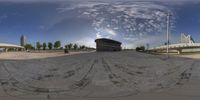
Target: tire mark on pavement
115	79
83	82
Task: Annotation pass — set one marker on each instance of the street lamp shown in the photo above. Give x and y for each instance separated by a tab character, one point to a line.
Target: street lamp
168	18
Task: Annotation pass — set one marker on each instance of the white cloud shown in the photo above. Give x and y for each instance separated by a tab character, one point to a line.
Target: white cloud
80	5
111	32
99	0
105	33
86	13
135	22
98	35
87	42
132	42
42	27
3	17
30	0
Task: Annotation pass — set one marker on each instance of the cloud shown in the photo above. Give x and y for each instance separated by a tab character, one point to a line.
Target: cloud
3	17
88	41
131	21
105	33
81	4
97	0
98	35
20	1
42	27
111	32
155	40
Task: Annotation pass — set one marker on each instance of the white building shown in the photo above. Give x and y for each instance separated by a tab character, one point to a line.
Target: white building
186	38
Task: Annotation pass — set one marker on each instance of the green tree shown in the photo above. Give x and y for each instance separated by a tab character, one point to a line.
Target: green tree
66	46
57	44
38	45
141	48
44	46
50	45
75	46
28	47
69	46
82	47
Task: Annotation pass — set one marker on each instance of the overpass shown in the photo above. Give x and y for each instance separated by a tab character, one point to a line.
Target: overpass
187	42
7	45
179	47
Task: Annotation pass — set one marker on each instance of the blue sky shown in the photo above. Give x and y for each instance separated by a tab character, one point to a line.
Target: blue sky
131	22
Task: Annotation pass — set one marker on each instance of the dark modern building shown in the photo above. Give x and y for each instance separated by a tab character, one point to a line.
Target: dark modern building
104	44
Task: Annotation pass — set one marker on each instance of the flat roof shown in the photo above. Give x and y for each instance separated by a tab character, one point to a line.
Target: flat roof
108	40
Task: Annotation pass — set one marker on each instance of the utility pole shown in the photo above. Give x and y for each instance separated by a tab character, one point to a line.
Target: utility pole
168	18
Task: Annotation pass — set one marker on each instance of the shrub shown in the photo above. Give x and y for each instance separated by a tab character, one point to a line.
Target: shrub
141	48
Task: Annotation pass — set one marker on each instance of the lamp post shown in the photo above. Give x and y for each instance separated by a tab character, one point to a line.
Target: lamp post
168	18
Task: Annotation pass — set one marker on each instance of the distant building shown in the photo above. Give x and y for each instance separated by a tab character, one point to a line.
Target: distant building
186	38
104	44
23	40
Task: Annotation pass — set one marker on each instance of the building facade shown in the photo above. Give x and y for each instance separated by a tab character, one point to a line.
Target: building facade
23	40
104	44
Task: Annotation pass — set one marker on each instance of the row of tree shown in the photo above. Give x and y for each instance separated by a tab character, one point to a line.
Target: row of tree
75	47
55	45
50	45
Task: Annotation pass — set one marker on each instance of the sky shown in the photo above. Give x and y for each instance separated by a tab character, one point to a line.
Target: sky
134	23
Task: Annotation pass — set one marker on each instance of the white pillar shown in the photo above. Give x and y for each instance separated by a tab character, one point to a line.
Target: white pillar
179	51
